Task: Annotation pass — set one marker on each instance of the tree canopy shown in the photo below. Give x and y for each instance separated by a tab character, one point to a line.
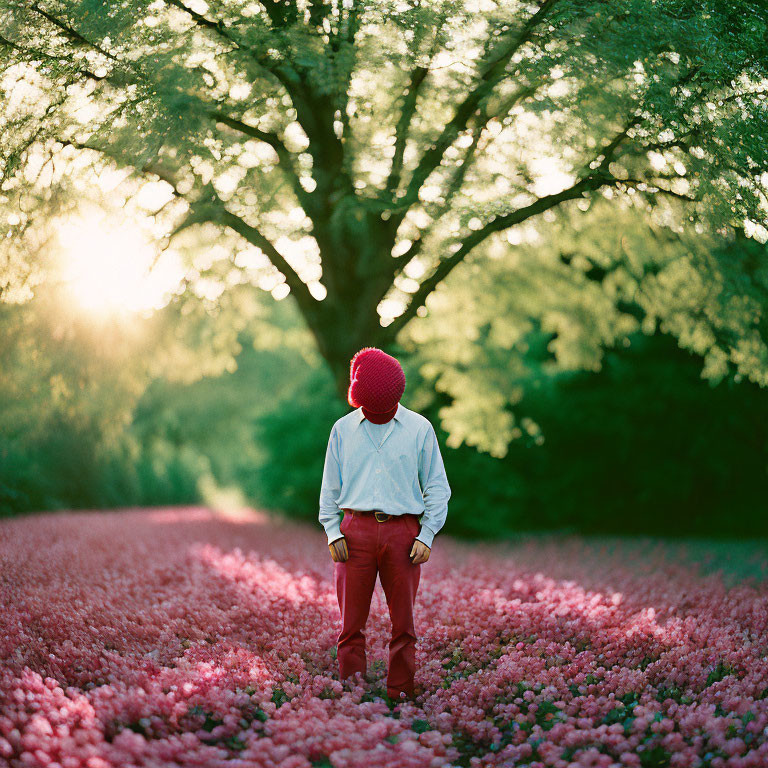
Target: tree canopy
365	149
520	319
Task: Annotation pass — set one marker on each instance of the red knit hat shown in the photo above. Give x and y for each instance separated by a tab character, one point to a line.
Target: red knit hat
377	382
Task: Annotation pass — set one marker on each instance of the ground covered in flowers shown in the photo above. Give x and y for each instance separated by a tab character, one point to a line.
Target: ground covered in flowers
185	637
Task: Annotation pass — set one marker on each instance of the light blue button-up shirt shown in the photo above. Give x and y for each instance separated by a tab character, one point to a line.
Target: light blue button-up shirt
394	467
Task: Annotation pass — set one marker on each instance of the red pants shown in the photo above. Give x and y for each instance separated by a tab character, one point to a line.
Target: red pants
383	548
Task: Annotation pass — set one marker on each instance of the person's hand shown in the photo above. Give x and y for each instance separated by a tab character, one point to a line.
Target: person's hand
419	552
339	550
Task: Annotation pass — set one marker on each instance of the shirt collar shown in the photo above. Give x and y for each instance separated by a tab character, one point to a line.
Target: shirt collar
398	414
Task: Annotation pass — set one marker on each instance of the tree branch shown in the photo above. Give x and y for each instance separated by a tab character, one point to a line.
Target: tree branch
454	186
283	73
593	179
459	174
151	166
606	155
284	156
215	26
345	34
305	300
210	208
314	115
498	224
34	53
635	183
281	14
418	75
492	73
73	34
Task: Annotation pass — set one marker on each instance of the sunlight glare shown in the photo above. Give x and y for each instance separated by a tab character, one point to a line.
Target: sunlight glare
108	267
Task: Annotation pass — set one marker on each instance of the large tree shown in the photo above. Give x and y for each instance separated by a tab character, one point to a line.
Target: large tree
389	140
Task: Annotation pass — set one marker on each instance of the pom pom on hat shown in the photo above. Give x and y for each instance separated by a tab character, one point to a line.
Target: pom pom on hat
377	382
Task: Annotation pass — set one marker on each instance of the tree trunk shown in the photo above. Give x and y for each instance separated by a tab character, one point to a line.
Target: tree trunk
338	345
358	270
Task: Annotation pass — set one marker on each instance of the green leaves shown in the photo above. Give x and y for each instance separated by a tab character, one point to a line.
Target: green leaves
420	726
101	18
623	713
720	671
209	720
279	696
548	715
655	757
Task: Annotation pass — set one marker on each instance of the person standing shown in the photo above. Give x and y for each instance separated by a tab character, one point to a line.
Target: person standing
384	497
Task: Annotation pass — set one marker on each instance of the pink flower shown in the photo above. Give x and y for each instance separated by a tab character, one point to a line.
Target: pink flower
175	637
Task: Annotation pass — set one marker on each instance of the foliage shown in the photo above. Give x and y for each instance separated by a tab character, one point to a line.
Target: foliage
206	638
69	390
380	145
554	304
642	445
518	174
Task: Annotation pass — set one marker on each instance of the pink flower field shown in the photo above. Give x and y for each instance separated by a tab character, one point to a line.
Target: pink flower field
168	637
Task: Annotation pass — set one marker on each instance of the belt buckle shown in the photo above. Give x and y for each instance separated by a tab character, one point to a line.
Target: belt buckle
382	519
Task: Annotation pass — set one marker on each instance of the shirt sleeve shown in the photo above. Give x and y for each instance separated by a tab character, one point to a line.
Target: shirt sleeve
434	486
330	489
